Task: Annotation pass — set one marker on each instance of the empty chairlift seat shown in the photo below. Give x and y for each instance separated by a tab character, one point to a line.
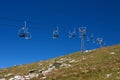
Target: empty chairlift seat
21	35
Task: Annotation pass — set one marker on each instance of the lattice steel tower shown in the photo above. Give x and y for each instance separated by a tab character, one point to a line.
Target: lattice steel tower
100	41
82	31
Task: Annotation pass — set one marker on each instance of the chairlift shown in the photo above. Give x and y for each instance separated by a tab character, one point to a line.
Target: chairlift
23	32
56	33
82	31
91	38
72	34
100	40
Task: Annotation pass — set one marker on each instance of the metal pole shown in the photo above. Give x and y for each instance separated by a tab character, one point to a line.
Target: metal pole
25	26
82	44
82	30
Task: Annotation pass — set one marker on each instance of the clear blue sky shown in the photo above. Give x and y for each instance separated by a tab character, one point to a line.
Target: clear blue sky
101	17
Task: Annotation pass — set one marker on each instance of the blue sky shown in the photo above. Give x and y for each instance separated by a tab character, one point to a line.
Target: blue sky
101	17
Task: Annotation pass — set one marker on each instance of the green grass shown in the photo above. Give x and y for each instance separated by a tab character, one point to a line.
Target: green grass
96	65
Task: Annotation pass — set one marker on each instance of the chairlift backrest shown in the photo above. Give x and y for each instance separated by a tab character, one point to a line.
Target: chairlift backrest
100	40
55	36
28	35
72	34
21	35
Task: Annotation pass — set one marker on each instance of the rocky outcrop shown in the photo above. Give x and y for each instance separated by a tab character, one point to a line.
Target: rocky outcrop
42	74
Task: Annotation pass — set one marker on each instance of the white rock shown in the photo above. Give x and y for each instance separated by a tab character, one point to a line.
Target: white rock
65	65
118	78
35	75
40	64
59	61
48	71
108	75
12	79
118	72
80	68
43	78
50	65
86	50
27	77
85	71
19	77
3	79
10	74
83	58
62	59
112	53
90	50
40	71
91	56
45	73
72	61
43	69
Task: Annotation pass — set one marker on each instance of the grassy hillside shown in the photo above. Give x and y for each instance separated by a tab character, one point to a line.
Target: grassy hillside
99	64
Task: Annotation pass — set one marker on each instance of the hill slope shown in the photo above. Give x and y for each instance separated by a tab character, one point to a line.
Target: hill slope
99	64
